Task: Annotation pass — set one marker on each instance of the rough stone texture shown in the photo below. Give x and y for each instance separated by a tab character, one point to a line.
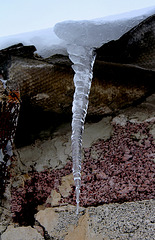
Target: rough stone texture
118	167
81	231
134	220
118	152
94	131
141	112
5	219
123	74
54	198
41	189
125	221
136	47
24	233
54	153
35	166
67	182
9	113
45	85
51	86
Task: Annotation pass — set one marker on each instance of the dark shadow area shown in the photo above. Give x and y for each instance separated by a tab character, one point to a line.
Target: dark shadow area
35	123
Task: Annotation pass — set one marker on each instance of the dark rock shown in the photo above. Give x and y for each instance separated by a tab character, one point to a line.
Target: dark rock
14	50
9	112
59	59
19	50
136	47
119	79
46	85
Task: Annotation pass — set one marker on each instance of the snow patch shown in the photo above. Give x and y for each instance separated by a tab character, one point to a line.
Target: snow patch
86	33
94	33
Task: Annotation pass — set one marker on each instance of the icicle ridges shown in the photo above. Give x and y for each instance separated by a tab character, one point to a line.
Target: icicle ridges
83	59
82	37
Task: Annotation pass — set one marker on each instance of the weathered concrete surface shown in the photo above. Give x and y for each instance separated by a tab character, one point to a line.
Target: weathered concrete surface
134	220
24	233
141	112
54	153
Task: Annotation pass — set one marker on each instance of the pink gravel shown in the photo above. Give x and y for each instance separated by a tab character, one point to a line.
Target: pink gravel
122	169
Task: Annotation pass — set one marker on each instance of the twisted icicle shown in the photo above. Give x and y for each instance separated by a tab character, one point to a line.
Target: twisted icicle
82	37
83	59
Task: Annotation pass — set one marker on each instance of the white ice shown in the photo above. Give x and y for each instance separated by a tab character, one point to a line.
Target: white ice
83	59
88	32
81	38
45	41
94	33
78	39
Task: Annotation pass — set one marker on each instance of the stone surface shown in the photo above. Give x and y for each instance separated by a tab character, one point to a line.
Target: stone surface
5	219
81	231
9	113
42	84
54	153
54	198
136	47
118	151
66	183
141	112
50	86
134	220
24	233
19	50
123	73
130	130
48	218
94	131
117	218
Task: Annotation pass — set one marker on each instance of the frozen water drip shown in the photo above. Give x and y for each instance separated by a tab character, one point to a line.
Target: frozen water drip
83	60
80	39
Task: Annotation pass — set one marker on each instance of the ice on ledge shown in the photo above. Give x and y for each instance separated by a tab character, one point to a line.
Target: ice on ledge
94	33
87	32
45	41
81	38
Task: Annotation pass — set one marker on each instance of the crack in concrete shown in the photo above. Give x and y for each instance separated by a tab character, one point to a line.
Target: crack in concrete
45	233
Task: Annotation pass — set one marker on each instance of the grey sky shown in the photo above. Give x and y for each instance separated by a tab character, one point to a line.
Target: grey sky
19	16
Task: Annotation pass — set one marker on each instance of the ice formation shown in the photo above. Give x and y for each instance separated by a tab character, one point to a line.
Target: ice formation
83	59
45	41
78	39
99	31
81	38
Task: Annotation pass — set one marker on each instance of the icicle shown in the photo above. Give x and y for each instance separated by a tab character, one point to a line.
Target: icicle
83	59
